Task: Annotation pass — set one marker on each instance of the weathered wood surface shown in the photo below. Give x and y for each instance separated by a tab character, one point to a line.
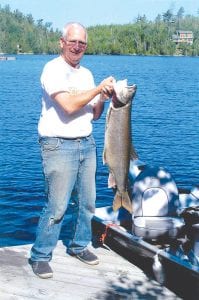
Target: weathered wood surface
113	278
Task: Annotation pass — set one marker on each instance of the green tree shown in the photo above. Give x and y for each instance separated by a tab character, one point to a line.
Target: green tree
20	33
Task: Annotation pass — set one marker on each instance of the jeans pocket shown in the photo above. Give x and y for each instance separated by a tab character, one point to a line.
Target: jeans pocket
49	143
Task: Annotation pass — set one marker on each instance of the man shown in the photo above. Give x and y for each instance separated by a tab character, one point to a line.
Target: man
70	102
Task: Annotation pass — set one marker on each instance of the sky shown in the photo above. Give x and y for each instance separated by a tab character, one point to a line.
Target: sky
102	12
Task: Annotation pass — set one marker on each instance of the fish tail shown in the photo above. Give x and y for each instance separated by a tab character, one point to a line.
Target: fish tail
111	181
122	200
117	202
126	202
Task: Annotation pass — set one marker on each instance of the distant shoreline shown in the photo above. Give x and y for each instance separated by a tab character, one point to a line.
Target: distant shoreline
3	56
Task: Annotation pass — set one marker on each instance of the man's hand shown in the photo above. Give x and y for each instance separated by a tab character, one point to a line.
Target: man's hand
107	88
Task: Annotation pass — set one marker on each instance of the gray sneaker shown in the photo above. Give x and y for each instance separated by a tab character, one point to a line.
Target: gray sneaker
88	257
41	269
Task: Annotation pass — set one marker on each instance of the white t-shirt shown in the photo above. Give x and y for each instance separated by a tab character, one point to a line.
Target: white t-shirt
58	76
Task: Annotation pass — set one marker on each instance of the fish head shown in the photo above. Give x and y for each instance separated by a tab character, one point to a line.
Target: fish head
122	93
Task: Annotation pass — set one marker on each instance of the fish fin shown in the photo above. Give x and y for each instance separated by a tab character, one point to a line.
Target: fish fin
126	202
104	157
117	202
111	181
108	116
133	154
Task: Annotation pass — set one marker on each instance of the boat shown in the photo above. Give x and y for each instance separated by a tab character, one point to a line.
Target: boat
162	234
7	57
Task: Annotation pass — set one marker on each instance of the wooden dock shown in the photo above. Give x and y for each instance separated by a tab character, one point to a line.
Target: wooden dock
114	278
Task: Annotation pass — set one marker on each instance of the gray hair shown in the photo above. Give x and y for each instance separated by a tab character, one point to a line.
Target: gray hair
72	24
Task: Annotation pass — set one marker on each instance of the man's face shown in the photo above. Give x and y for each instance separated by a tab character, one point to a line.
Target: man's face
74	46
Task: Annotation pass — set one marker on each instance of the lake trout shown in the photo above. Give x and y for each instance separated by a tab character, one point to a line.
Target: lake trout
118	148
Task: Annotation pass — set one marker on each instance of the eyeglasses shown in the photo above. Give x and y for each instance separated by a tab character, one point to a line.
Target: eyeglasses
81	44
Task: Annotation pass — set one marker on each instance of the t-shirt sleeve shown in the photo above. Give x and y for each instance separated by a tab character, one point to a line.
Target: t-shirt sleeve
53	81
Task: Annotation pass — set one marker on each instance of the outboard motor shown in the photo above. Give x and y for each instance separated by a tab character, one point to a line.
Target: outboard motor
189	199
155	201
194	235
191	247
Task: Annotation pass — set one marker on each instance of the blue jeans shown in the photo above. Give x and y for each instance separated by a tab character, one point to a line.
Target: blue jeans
67	165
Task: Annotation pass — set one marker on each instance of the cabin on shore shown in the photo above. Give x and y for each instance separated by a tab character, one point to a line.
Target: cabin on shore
183	36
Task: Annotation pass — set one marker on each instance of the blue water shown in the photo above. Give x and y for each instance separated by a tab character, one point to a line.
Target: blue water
165	126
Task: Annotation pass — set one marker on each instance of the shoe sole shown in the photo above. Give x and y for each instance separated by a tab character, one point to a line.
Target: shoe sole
44	276
92	263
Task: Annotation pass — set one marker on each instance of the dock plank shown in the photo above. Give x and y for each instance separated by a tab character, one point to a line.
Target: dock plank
113	278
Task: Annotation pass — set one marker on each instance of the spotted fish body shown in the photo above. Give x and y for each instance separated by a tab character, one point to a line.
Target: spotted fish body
118	149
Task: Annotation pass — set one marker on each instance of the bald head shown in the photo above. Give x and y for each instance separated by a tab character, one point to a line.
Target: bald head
73	26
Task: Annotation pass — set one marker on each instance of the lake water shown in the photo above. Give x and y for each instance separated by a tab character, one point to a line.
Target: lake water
165	126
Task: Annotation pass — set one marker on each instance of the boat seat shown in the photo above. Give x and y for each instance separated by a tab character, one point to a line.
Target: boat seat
157	228
155	201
